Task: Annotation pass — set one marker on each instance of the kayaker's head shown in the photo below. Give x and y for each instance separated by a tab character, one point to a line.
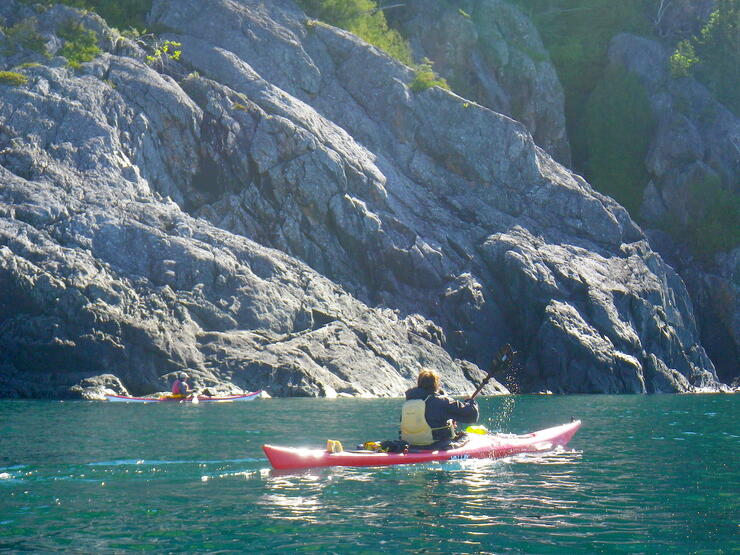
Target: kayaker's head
428	379
183	376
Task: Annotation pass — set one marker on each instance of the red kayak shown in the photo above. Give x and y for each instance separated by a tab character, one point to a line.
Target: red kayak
488	446
171	399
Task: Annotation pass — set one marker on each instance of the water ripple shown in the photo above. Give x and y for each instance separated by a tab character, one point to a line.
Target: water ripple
140	462
625	485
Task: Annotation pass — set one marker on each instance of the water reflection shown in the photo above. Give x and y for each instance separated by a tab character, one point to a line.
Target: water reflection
472	496
292	507
294	496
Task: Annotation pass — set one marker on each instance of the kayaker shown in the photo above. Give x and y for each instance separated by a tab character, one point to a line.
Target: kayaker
180	387
428	416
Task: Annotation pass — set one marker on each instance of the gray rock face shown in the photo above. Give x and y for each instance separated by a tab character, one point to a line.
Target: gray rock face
491	53
100	274
714	287
695	133
411	217
292	217
697	141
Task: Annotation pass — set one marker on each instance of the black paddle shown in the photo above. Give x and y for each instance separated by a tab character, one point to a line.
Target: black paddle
499	362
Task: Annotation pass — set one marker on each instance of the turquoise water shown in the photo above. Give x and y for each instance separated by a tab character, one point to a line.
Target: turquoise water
652	474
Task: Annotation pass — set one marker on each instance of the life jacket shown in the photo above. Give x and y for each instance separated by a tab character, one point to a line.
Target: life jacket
176	389
414	426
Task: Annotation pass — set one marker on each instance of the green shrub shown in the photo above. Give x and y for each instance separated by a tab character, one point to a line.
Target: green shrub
718	227
618	127
80	43
163	52
577	34
683	59
714	56
364	19
24	34
121	14
425	77
12	78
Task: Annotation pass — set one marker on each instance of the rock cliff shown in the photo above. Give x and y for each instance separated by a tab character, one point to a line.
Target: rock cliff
278	210
696	145
492	53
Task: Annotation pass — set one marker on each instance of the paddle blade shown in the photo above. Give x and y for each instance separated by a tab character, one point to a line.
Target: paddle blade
502	359
500	362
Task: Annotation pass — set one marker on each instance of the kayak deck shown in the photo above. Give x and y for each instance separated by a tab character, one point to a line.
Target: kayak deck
201	398
490	446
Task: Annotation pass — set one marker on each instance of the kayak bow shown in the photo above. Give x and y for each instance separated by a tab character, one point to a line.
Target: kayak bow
490	446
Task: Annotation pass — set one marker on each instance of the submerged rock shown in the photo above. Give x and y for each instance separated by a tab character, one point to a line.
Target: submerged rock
97	387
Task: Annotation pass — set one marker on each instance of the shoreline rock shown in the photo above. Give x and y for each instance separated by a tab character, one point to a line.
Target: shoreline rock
295	219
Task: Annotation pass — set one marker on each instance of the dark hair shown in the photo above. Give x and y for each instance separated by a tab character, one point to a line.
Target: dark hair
428	379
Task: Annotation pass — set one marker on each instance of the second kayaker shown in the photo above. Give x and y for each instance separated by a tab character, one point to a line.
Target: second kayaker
428	416
180	387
